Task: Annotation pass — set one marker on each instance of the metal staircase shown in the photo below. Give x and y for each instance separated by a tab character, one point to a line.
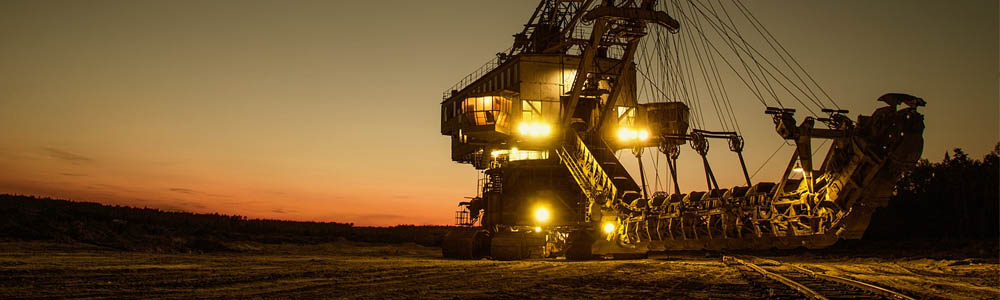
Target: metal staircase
599	174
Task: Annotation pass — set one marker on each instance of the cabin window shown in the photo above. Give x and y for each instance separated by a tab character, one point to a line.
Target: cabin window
527	155
626	116
487	110
531	110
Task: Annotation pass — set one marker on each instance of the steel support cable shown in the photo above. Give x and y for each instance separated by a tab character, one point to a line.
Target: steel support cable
754	77
651	83
647	65
641	57
780	146
778	81
711	83
681	73
656	169
733	45
669	76
728	101
753	87
669	65
676	70
701	65
708	82
661	49
690	88
766	39
692	78
723	30
723	94
820	147
662	59
768	72
739	3
684	67
681	78
730	65
656	74
644	58
672	75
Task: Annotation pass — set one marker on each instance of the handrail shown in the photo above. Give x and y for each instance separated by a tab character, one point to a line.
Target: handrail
475	75
587	170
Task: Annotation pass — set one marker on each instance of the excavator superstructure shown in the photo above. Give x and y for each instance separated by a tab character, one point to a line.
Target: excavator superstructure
547	120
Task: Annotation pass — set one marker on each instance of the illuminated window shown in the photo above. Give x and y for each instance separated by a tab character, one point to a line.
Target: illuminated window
486	110
568	77
527	155
626	116
531	111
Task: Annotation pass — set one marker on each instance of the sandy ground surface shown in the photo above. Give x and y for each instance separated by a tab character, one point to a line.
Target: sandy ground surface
350	270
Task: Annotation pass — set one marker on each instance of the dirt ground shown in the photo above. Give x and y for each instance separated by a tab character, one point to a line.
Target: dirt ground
349	270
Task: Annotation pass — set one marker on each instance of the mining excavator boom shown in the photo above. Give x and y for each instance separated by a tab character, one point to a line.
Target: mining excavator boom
545	121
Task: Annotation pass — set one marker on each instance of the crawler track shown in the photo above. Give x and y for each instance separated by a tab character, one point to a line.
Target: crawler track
787	281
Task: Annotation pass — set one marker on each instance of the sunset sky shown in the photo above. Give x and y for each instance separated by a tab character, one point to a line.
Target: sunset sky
329	110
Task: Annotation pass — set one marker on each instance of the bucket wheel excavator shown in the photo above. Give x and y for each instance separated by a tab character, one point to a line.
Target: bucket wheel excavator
587	82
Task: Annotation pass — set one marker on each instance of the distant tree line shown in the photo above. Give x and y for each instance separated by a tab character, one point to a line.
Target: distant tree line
129	228
957	198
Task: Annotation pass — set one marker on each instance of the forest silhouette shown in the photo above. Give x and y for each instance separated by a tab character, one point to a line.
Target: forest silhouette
956	198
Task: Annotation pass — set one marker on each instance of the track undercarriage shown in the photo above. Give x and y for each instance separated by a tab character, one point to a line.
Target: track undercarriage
835	202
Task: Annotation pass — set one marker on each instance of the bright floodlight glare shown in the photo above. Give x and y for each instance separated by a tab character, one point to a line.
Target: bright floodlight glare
546	129
609	227
542	215
538	229
623	134
534	129
626	134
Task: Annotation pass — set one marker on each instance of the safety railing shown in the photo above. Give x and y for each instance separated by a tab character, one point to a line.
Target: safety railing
586	169
475	75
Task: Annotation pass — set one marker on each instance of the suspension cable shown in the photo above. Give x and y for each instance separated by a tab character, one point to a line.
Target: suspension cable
780	146
738	2
750	51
